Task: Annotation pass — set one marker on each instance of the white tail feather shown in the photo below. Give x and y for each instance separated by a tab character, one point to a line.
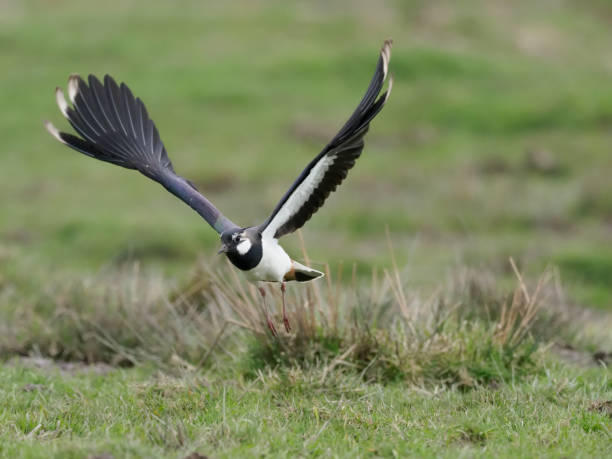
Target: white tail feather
304	273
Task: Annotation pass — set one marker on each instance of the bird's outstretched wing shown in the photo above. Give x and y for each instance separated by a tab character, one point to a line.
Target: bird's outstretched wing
330	167
115	127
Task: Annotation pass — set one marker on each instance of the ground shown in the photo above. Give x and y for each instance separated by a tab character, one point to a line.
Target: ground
55	413
496	142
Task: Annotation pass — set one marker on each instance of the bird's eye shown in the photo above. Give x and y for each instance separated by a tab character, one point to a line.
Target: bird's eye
235	237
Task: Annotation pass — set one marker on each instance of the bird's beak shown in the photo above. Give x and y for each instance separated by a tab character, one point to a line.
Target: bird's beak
223	249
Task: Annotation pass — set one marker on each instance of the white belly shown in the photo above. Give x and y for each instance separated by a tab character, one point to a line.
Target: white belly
274	264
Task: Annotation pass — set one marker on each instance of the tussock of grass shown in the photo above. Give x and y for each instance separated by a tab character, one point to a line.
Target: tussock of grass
122	317
386	333
464	335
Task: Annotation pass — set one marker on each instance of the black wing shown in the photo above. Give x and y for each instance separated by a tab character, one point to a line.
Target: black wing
115	127
330	167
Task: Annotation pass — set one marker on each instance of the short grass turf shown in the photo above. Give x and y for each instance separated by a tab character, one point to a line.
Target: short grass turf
138	413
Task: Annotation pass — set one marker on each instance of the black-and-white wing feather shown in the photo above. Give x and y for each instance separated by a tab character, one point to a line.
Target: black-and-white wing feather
330	167
115	127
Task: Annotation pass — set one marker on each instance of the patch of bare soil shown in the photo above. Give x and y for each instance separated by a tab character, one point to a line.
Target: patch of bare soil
196	455
602	357
602	407
573	356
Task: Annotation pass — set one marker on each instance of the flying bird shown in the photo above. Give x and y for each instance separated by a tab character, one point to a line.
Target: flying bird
114	126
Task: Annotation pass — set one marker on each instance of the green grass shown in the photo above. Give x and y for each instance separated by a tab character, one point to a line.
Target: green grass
283	414
366	371
588	274
495	143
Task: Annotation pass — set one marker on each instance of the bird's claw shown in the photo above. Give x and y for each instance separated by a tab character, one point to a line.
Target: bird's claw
287	325
272	327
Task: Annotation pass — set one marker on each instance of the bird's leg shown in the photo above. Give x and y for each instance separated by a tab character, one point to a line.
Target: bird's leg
271	326
285	318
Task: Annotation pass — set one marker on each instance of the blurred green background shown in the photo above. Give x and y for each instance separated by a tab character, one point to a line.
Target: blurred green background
496	141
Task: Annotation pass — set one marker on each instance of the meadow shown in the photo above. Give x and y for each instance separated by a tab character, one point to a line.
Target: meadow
123	334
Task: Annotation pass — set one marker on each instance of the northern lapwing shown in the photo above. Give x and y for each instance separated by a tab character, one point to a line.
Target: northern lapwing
114	126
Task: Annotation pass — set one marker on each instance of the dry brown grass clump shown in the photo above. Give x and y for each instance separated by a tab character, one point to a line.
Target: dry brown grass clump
464	334
383	331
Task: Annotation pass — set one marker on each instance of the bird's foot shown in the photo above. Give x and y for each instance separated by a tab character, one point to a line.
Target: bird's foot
271	327
287	325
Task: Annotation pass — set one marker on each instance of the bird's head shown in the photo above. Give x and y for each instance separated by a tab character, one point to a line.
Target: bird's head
236	242
243	247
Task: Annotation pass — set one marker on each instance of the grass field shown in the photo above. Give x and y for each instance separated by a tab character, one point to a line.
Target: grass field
138	413
497	142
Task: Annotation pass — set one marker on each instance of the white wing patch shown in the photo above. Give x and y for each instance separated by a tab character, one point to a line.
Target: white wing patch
300	195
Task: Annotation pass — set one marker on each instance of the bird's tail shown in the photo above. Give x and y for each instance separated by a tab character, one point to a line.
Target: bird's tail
301	273
113	125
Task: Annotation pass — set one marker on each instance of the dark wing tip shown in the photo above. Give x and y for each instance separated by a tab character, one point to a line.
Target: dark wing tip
109	80
91	77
